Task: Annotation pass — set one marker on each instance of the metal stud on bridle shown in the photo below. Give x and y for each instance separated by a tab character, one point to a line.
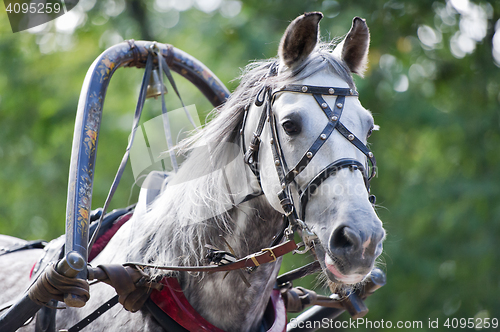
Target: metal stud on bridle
288	176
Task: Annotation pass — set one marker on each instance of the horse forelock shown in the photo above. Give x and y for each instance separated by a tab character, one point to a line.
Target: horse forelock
195	208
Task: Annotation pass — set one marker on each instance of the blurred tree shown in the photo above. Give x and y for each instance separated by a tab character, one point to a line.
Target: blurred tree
433	87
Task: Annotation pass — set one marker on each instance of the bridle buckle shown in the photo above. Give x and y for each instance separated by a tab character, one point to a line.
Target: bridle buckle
271	252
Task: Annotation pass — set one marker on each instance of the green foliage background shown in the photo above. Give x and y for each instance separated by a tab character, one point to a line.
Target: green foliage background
438	148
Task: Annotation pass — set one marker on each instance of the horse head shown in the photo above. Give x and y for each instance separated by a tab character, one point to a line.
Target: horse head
313	153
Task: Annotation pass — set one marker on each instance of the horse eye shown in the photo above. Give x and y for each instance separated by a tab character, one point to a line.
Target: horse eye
291	128
369	132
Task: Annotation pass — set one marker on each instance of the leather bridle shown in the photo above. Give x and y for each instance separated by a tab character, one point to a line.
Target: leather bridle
286	175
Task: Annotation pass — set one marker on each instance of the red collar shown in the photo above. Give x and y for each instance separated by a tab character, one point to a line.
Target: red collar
171	300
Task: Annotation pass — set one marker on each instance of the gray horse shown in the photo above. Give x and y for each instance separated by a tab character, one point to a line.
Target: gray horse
203	203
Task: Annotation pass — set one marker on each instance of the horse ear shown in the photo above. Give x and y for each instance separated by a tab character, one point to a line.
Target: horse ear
353	50
299	39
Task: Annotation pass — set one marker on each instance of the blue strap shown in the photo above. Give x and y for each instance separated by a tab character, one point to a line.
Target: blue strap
163	65
166	122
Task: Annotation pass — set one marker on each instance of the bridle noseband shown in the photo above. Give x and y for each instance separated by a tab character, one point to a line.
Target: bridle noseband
286	175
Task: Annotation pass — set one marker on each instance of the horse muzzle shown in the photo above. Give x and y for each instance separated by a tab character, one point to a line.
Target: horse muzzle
351	253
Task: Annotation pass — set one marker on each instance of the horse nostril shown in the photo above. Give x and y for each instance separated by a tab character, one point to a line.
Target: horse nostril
379	236
344	237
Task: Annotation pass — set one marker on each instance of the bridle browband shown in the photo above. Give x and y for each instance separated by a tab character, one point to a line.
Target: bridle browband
286	175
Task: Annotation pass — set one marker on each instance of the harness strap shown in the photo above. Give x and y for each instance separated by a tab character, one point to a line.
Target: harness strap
164	112
94	315
171	301
323	175
163	65
333	122
251	155
172	309
131	285
319	90
266	255
36	244
363	148
286	200
278	157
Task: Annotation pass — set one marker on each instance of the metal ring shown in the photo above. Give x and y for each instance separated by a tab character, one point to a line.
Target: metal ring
258	101
289	213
